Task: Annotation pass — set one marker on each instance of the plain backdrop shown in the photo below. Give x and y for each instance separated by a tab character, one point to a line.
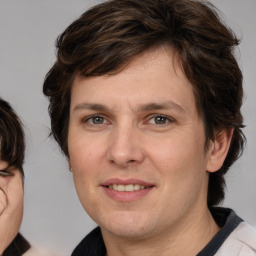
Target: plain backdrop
53	216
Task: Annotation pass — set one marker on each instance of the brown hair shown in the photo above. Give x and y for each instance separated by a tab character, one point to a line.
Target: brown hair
111	34
12	144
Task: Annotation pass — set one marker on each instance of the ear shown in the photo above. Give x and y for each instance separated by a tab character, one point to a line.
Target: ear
219	149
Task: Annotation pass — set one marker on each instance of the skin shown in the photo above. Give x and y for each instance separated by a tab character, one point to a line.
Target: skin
126	141
11	205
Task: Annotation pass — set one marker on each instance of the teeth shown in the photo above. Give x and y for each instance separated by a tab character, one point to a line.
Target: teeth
120	187
127	188
136	187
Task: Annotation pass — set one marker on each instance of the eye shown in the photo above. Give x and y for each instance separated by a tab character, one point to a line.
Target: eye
160	120
95	120
5	173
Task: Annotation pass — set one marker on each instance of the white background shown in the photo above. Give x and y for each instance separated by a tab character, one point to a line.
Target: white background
53	216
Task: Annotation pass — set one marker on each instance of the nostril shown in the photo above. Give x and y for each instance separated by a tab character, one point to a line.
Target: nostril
124	163
131	161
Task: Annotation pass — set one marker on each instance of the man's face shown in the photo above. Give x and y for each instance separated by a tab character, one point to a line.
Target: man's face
138	131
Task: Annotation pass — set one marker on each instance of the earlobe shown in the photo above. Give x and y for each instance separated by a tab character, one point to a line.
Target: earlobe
219	149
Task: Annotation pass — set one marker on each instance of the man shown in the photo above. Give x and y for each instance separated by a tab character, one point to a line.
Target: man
145	101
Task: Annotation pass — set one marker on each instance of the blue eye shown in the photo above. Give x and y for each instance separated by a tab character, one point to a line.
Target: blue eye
96	120
160	120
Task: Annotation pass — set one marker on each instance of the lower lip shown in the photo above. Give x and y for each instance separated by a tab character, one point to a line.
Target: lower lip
126	196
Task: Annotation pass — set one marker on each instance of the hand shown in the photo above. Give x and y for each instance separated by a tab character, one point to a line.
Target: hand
11	204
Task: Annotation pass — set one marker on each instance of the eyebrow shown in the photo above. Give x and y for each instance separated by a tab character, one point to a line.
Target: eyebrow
91	106
142	108
160	106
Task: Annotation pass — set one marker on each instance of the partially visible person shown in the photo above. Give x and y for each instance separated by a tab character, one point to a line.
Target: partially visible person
12	149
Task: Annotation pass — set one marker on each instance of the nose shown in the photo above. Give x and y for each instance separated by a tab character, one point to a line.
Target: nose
125	147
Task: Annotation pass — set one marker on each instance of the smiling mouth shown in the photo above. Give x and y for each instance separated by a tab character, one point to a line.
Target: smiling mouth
127	188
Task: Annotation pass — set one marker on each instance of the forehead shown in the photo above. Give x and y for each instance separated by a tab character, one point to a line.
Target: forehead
154	77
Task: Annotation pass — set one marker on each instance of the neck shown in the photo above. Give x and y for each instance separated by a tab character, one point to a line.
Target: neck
184	239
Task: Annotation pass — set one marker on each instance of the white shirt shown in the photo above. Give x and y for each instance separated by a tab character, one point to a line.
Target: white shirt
241	242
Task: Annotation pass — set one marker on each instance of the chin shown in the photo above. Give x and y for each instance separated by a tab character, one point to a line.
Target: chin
126	225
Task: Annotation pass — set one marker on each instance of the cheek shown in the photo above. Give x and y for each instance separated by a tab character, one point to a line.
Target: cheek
85	159
3	201
84	170
170	155
179	160
4	182
87	154
16	195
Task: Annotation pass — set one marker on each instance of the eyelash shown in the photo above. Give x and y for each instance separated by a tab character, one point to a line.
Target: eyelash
5	173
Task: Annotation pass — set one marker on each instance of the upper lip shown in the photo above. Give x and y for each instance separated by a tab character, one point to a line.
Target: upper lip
126	182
